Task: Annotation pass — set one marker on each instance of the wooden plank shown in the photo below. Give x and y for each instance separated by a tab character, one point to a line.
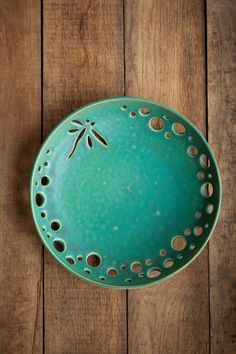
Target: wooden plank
20	106
83	62
165	61
221	16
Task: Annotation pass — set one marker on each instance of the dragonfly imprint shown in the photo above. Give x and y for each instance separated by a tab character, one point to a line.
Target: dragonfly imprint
80	130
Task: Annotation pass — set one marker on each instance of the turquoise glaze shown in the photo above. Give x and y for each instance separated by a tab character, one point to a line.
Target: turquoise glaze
119	197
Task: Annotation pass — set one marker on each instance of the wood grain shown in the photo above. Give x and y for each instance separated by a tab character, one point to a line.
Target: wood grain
221	17
20	257
165	61
83	62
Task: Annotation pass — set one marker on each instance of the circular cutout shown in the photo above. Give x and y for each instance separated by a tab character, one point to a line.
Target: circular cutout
124	107
179	243
48	235
163	252
179	128
48	152
180	256
144	111
198	215
55	225
209	208
132	114
149	262
45	180
204	161
197	230
123	267
128	280
157	123
40	168
207	190
141	275
136	267
43	214
187	232
168	263
59	245
153	273
87	271
39	199
192	151
201	175
102	277
168	135
80	258
94	260
112	272
70	260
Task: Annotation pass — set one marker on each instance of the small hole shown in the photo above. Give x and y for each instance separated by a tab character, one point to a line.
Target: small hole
43	214
124	107
192	246
102	277
209	208
70	260
201	175
204	161
153	273
40	168
190	138
179	243
123	267
55	225
180	256
136	267
157	123
144	111
192	151
197	230
165	116
80	258
163	253
48	152
207	190
206	226
87	271
209	175
87	120
179	129
168	263
112	272
128	280
48	235
198	215
132	114
59	245
46	164
45	181
94	260
149	262
39	199
37	183
168	135
43	228
187	232
141	275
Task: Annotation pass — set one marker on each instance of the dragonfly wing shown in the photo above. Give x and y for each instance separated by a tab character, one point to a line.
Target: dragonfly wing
80	136
99	137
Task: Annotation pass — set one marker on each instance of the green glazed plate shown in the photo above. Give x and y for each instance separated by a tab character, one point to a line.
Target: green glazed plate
125	192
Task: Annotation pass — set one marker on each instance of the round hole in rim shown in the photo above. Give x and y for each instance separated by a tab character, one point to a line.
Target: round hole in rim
48	152
93	260
187	232
192	151
123	267
201	175
70	260
59	245
207	190
87	271
157	123
168	135
136	267
144	111
39	199
48	235
179	243
198	215
55	225
141	275
180	256
45	180
192	246
128	280
149	262
80	258
102	277
153	273
209	208
178	128
168	263
124	107
43	214
204	161
40	168
163	252
197	230
132	114
112	272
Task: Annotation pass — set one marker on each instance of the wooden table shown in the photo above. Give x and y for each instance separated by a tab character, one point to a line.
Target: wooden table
56	56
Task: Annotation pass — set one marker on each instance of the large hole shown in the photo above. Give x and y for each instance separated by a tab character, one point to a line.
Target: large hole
59	245
144	111
39	199
55	225
197	230
207	190
179	129
112	272
179	243
157	123
93	260
136	267
153	273
168	263
45	181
